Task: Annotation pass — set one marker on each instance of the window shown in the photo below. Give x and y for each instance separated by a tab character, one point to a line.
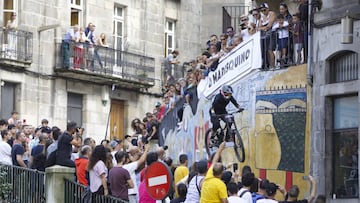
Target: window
344	67
7	99
118	30
345	147
76	8
169	36
9	7
75	108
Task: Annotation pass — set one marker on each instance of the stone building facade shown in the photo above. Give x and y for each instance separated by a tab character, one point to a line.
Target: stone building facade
139	33
333	72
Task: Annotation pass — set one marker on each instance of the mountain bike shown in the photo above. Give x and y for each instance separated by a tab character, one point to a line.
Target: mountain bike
228	133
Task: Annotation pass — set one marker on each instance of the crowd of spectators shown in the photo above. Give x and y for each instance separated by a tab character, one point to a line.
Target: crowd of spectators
283	42
118	167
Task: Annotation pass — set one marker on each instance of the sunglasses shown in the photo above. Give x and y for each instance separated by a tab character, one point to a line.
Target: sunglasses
223	39
264	9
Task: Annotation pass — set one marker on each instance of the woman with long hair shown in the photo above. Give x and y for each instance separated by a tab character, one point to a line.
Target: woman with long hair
97	171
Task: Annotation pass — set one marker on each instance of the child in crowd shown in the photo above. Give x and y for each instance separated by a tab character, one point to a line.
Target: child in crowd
298	37
281	27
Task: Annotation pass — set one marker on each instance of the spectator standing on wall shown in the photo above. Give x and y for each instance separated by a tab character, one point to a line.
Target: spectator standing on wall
169	64
64	150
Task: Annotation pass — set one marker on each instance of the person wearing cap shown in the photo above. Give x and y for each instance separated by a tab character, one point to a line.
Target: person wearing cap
160	111
294	191
64	150
115	146
268	38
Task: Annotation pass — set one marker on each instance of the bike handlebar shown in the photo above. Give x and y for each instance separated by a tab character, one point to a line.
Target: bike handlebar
234	112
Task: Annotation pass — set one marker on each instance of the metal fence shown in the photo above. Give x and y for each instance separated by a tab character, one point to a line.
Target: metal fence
22	184
77	193
106	61
280	53
16	45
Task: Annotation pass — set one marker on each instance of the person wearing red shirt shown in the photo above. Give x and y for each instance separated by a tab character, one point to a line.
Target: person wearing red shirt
81	165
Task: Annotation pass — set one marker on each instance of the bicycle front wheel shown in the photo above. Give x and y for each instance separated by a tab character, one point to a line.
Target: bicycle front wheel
211	143
238	145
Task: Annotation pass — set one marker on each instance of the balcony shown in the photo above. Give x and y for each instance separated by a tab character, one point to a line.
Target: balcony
15	48
104	65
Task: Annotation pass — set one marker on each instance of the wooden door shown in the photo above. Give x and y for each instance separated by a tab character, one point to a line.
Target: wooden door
117	120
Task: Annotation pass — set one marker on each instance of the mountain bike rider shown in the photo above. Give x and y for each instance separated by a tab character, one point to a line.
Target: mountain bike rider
218	107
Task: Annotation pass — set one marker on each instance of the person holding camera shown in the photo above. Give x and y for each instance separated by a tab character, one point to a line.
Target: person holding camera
66	140
293	193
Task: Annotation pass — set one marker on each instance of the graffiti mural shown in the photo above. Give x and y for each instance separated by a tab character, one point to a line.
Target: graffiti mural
273	127
282	127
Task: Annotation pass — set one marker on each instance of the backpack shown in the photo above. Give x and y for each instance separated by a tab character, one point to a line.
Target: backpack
243	192
255	197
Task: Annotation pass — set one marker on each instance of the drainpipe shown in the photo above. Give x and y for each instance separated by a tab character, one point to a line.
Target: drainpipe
309	75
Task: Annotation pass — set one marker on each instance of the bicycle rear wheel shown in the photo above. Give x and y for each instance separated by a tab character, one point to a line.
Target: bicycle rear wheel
238	146
211	143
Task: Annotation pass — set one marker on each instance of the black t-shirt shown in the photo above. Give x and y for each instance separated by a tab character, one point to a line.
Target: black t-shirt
64	149
17	149
297	201
220	102
155	124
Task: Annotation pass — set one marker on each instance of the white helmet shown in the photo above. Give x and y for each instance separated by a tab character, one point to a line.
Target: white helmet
227	89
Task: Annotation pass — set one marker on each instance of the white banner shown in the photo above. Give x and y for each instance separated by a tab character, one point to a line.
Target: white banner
243	59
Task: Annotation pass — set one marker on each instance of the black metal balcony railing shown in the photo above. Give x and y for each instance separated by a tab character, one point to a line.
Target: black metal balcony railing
16	45
21	184
106	61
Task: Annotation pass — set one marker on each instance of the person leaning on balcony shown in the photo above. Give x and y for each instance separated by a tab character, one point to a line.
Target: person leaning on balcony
80	39
268	38
65	45
11	36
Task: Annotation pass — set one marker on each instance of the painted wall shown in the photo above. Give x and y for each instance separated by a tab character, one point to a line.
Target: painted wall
274	126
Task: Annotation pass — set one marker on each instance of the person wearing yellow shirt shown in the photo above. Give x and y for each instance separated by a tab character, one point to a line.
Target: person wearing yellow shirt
213	189
181	171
